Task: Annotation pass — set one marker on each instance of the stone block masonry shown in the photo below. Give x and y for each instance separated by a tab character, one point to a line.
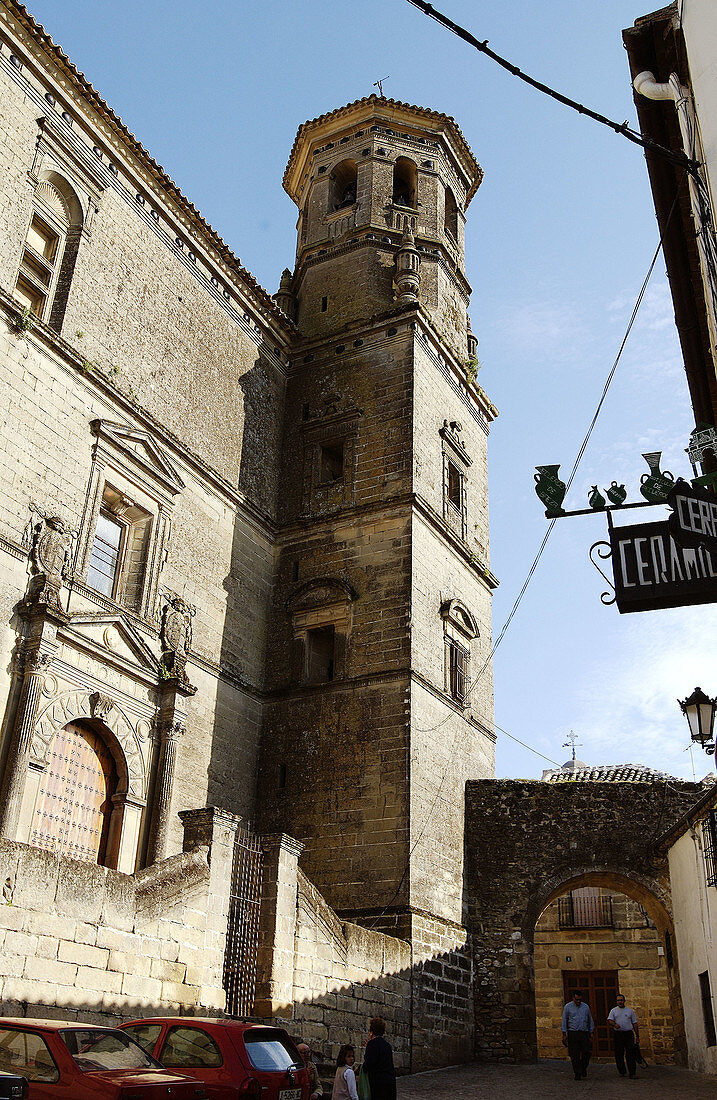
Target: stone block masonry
95	945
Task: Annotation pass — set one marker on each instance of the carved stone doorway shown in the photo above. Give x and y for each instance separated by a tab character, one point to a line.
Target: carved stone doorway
74	803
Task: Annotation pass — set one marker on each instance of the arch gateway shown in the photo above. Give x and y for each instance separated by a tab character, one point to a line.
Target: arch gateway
527	843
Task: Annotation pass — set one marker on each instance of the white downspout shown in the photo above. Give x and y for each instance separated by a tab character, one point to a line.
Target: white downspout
646	85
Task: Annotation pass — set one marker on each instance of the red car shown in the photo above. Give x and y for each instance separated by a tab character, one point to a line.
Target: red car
83	1062
234	1059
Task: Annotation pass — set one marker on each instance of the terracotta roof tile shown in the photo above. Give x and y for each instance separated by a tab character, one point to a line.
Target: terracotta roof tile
608	773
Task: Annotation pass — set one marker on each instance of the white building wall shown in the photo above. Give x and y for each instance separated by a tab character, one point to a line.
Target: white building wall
695	915
699	22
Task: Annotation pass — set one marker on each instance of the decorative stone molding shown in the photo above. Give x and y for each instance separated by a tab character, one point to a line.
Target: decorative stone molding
69	706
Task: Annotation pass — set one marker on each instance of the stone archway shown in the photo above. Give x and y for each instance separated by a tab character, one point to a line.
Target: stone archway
603	933
526	842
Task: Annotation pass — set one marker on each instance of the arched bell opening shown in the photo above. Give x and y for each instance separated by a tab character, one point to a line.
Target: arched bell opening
450	215
405	179
344	180
81	794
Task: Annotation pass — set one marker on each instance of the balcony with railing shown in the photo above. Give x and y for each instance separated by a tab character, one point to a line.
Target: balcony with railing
583	910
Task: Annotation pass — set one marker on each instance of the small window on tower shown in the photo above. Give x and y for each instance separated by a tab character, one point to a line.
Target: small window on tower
455	479
457	670
319	665
331	462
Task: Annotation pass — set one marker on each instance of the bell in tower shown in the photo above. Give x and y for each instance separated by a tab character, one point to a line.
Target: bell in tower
363	176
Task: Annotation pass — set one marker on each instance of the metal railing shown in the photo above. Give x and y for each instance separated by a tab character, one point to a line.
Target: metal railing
579	911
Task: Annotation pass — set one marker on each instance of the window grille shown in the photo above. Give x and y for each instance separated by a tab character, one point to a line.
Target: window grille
457	670
239	979
707	1013
585	909
709	847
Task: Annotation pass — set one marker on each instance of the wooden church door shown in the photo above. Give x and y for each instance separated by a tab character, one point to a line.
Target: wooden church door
75	798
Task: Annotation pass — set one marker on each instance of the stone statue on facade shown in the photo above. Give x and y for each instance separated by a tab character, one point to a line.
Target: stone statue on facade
49	542
176	638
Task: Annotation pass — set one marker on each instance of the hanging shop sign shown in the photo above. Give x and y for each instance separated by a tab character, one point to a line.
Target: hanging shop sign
652	570
671	563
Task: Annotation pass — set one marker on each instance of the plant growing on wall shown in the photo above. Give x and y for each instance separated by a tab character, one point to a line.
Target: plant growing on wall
23	322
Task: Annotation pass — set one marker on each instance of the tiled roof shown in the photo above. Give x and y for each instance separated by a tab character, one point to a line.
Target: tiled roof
83	86
379	102
607	773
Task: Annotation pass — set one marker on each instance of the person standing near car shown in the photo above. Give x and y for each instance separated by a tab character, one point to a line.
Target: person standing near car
378	1062
315	1088
345	1079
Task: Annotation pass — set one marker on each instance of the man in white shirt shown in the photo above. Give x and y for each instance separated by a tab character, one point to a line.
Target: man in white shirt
625	1035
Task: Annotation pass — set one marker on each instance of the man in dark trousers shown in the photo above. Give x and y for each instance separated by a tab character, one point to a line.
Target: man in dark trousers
378	1062
577	1026
625	1034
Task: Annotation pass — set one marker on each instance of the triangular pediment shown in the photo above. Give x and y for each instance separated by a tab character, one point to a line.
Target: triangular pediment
112	636
137	446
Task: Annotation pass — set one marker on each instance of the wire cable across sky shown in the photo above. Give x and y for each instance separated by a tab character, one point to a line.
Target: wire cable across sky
619	127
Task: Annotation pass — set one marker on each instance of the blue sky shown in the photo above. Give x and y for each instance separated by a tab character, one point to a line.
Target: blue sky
559	238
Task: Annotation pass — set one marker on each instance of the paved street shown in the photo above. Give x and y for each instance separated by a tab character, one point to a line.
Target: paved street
548	1079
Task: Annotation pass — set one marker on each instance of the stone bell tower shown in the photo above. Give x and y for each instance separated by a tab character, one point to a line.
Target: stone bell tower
379	675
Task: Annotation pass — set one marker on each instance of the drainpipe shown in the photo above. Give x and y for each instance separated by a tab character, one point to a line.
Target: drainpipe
646	85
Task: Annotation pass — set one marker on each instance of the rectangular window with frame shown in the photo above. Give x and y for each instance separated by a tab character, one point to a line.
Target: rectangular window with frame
457	670
707	1011
320	646
118	555
38	266
709	847
106	554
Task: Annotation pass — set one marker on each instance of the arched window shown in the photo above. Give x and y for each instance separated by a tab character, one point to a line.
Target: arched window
74	802
50	250
342	191
450	217
405	178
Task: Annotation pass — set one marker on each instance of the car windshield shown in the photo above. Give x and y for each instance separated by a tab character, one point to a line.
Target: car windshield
268	1051
97	1048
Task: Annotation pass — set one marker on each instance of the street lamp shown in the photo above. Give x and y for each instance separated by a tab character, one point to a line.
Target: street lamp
700	714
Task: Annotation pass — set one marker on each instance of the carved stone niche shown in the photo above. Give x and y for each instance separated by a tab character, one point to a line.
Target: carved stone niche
320	610
330	457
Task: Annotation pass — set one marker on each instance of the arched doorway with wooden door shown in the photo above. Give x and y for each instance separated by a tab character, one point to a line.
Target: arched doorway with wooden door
73	810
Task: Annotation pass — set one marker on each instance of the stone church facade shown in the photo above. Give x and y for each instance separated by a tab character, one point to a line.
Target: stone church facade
244	572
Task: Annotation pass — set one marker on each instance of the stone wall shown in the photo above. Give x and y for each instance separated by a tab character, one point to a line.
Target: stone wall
83	942
344	975
529	842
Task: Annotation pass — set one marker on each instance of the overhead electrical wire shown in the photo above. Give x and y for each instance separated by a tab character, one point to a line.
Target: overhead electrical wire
622	128
689	166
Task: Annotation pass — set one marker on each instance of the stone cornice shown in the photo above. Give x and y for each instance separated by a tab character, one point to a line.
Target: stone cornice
186	210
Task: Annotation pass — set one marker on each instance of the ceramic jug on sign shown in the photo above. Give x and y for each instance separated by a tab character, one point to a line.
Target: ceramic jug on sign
550	489
656	485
